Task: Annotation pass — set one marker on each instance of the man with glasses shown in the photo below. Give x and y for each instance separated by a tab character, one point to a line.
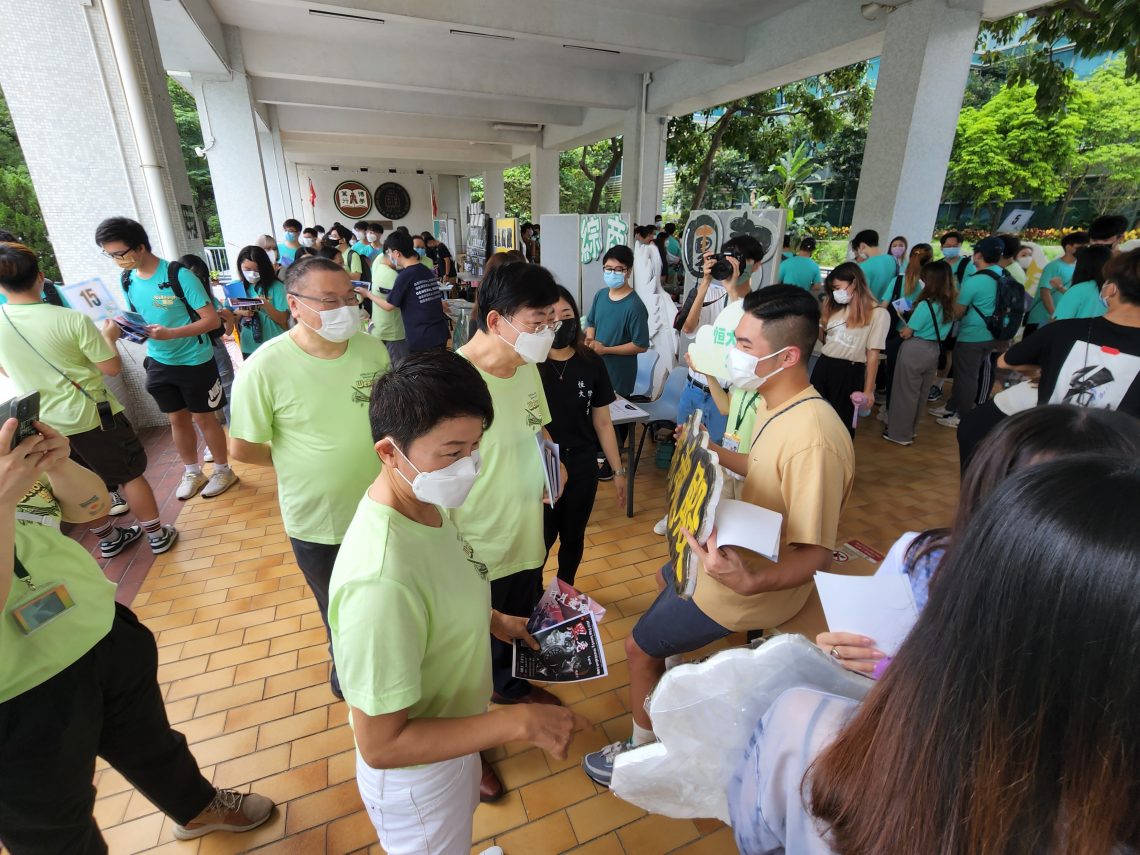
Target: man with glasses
181	374
617	326
301	406
416	295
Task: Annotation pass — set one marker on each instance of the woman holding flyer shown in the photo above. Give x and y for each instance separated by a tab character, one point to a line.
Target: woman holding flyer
579	394
259	322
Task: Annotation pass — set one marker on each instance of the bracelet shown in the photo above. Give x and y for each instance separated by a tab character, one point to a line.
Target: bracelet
619	472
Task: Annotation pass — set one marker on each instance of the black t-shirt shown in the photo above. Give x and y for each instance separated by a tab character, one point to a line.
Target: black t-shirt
416	293
1090	362
438	253
573	388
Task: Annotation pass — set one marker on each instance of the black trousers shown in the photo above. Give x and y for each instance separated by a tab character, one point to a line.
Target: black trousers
516	594
568	519
835	379
106	704
316	562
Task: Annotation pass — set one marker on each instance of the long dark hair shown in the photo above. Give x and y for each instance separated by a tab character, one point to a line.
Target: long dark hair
660	242
1009	721
1090	263
579	343
938	281
264	267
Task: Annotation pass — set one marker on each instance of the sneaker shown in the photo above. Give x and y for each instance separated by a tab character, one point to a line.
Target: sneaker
229	811
934	394
882	416
494	850
119	505
662	527
190	484
207	455
161	542
940	412
605	471
880	396
220	481
897	441
951	420
599	765
120	540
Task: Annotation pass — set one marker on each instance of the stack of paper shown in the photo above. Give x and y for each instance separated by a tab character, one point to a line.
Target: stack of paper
551	469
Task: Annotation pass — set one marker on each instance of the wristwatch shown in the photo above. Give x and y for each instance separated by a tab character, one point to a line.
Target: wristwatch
619	472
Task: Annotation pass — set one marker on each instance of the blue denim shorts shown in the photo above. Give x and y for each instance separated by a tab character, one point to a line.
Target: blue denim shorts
673	625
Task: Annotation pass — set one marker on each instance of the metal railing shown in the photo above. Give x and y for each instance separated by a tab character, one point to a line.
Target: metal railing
218	259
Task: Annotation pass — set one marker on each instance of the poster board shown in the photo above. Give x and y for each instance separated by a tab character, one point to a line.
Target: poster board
95	298
706	231
506	234
694	486
560	252
596	234
444	230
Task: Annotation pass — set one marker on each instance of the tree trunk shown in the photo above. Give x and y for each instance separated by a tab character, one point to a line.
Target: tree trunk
1074	187
707	164
600	180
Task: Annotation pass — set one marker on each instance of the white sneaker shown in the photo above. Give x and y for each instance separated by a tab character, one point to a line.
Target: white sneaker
190	484
940	412
950	421
207	455
662	527
494	850
220	481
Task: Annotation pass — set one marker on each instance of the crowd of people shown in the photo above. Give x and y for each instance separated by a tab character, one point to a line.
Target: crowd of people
419	512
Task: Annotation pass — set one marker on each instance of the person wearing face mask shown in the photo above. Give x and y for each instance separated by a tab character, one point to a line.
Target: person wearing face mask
388	322
410	611
801	464
853	331
1055	281
272	317
579	394
617	325
301	407
1010	258
908	285
879	268
290	241
502	518
898	250
374	236
338	238
181	374
267	243
362	246
308	239
421	248
415	297
1084	299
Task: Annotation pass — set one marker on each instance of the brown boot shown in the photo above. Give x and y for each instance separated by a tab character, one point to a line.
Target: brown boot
229	811
490	787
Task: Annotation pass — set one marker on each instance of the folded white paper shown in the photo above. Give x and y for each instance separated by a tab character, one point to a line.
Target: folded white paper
880	607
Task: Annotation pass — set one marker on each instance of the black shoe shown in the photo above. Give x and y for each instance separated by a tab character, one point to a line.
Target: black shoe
605	472
119	540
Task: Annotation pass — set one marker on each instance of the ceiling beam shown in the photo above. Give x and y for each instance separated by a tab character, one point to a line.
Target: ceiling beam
356	122
595	25
353	154
419	69
190	36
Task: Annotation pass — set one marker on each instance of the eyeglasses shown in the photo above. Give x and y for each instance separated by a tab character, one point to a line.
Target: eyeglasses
537	329
614	270
122	253
331	302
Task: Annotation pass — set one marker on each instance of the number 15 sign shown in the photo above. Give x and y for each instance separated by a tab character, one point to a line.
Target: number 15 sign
93	298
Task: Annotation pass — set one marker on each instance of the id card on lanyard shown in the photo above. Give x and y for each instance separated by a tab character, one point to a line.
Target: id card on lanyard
41	604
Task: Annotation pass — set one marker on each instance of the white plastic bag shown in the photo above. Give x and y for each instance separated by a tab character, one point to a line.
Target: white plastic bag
704	714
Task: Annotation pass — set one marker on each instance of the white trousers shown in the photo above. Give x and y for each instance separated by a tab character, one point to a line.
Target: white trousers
426	810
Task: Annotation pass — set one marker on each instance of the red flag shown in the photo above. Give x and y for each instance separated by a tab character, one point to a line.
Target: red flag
312	194
434	208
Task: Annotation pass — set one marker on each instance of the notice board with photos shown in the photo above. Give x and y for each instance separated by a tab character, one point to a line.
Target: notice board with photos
706	231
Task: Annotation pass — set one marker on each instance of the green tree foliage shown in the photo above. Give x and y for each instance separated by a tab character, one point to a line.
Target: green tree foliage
198	171
19	208
1108	160
516	191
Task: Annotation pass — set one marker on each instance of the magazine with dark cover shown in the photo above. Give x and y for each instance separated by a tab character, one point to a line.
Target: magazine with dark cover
568	652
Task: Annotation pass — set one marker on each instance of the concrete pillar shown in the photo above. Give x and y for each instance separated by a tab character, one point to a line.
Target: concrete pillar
926	57
69	106
544	188
494	199
230	134
643	165
276	172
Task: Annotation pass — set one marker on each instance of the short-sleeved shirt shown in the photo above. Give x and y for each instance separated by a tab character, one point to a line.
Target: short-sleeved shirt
1015	273
439	253
922	322
1056	268
741	423
801	271
852	343
416	293
314	413
673	250
69	341
353	263
1080	301
978	294
159	305
364	250
502	517
286	253
409	613
275	296
880	271
573	388
801	465
1090	362
50	557
715	302
386	325
618	322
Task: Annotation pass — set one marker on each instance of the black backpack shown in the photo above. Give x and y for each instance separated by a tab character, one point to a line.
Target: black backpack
172	270
960	271
1009	306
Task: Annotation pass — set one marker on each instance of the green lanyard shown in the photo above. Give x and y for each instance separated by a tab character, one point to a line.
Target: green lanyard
749	405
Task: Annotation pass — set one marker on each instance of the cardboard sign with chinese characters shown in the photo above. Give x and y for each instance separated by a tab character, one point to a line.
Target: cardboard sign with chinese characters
596	234
709	349
694	487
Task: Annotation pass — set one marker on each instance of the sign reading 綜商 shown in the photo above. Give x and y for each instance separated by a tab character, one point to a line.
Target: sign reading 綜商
694	487
352	199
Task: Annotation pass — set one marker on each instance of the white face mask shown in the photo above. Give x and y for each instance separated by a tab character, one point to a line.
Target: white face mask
1024	261
371	237
742	368
307	241
272	253
359	234
841	297
252	276
533	347
337	325
447	487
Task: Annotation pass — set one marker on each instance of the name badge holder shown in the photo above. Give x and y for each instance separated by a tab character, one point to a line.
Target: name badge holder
42	604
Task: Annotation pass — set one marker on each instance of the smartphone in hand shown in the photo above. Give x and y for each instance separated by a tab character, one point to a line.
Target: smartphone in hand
26	410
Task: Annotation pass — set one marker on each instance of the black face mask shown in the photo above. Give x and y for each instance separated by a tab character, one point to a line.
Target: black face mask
567	334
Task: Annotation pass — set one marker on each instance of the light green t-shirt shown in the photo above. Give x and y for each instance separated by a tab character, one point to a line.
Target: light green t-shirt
1080	301
314	412
386	326
275	296
159	305
801	271
1039	314
980	290
410	614
502	518
51	558
353	263
69	341
742	417
1016	273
